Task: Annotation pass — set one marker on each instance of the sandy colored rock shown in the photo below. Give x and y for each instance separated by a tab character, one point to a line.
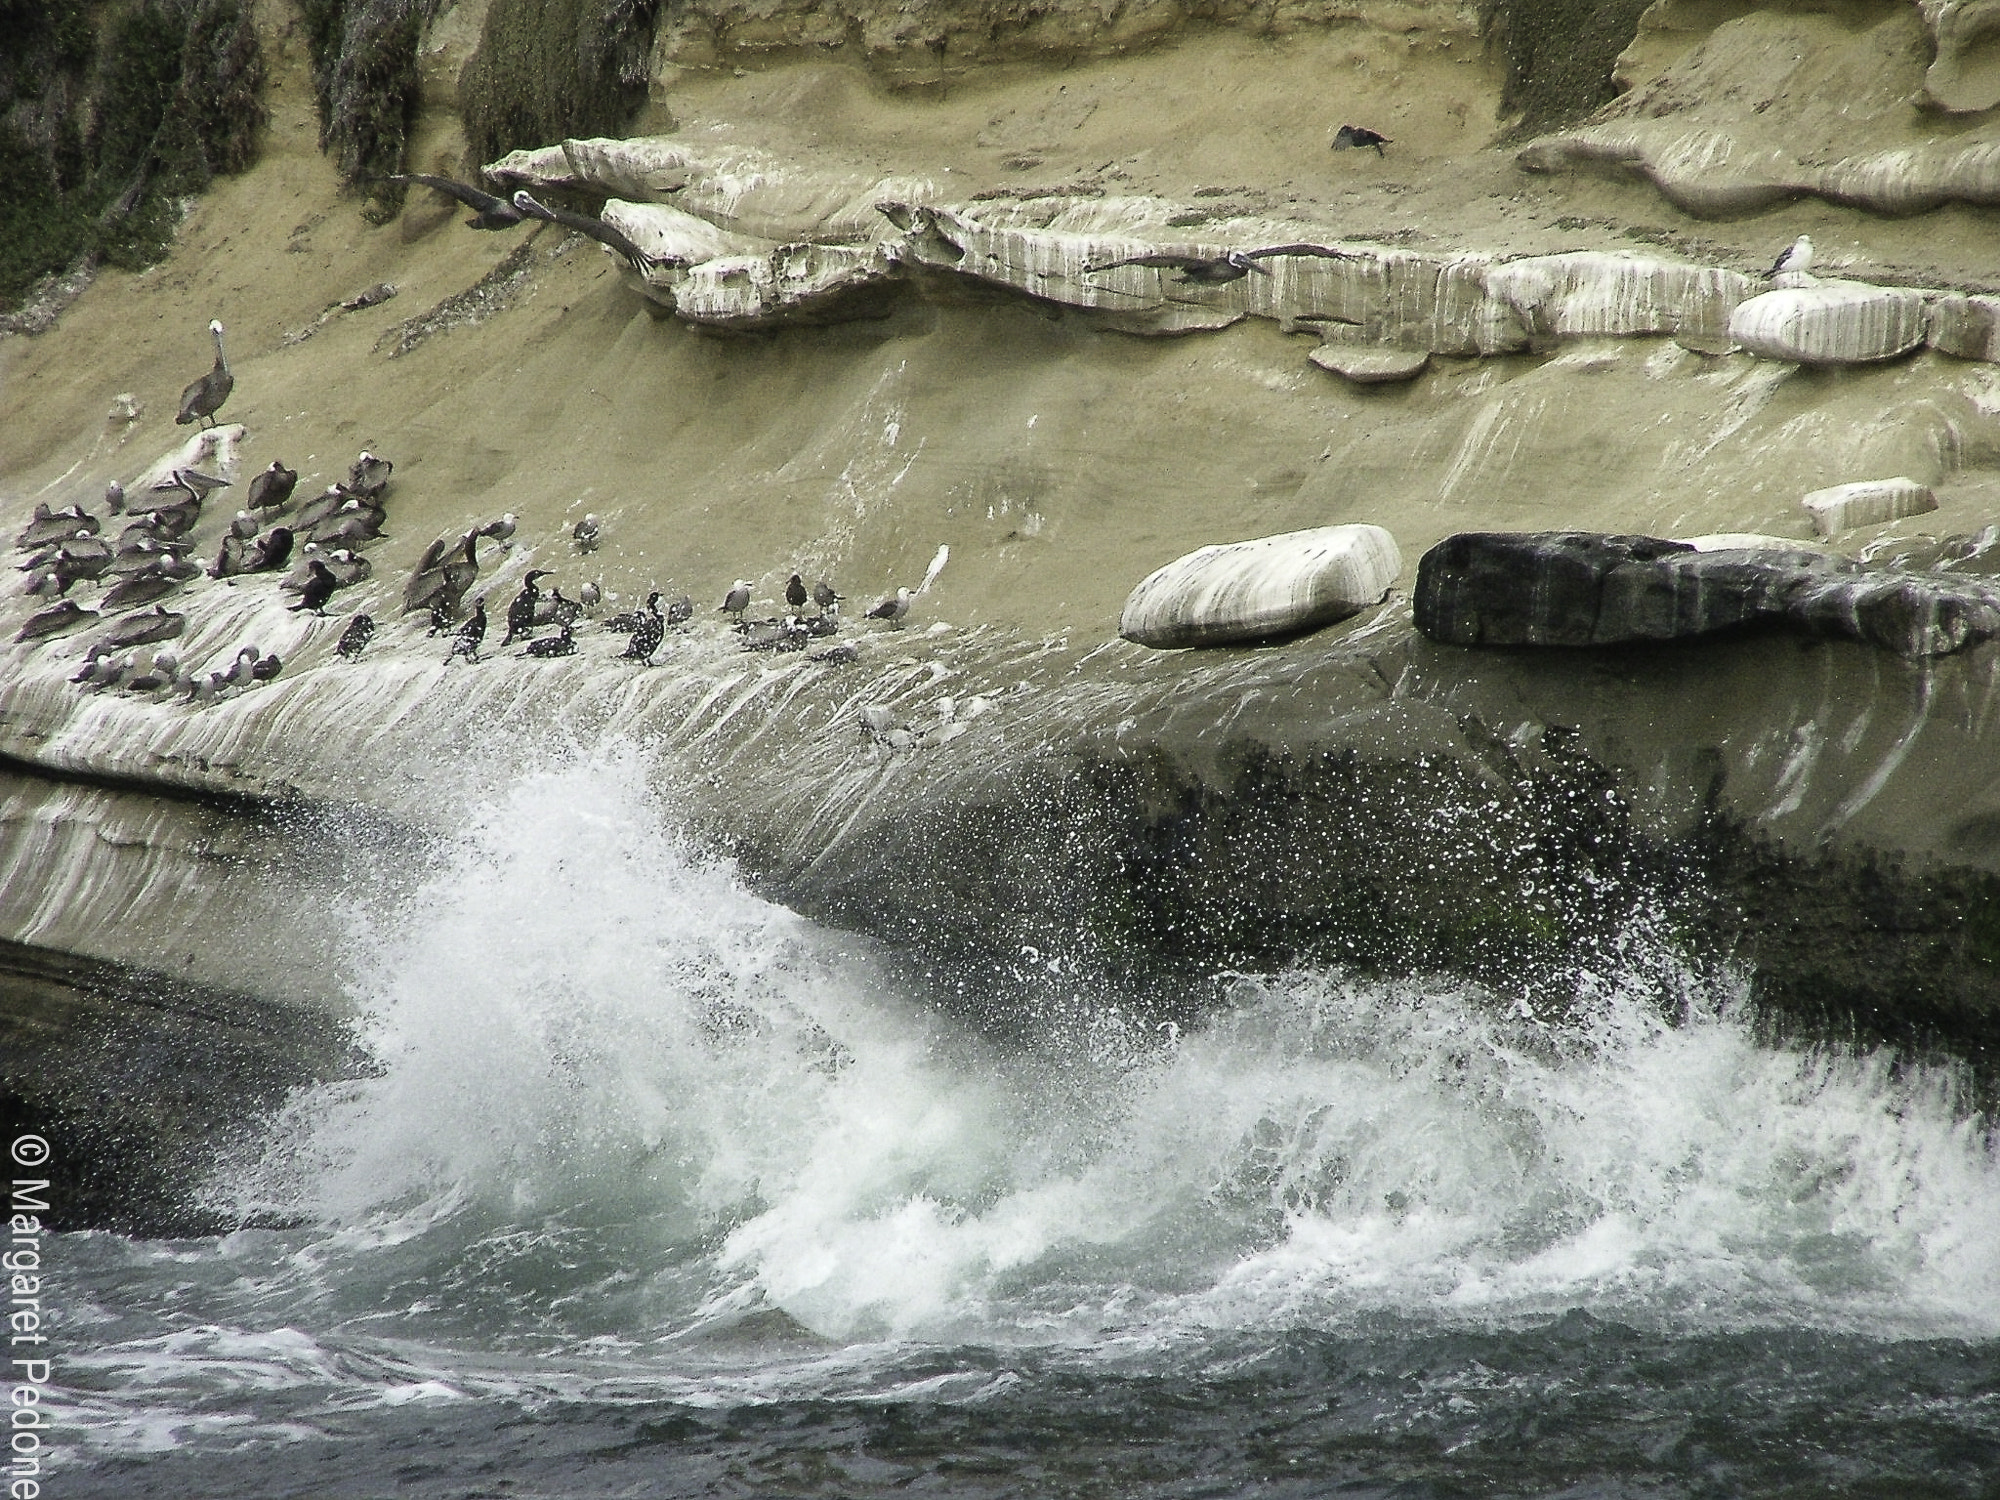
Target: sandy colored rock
1255	590
1842	507
1831	323
1962	325
1366	366
1964	77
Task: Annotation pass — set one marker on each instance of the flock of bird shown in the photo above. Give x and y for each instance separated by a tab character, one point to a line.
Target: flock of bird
322	541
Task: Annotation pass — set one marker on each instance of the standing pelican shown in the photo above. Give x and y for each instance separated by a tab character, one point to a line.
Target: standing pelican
203	396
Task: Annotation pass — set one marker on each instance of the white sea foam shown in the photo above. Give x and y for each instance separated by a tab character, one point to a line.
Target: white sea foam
623	1109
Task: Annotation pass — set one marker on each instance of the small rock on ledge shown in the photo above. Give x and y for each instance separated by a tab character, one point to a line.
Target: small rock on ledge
1273	586
1371	366
1842	507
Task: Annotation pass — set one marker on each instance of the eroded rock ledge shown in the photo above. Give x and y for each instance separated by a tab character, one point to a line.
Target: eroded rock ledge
738	239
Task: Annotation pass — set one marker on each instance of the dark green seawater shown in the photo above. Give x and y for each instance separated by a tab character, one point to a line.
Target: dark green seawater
653	1188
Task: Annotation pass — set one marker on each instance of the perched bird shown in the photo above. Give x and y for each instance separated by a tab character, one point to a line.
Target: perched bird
470	634
244	526
737	599
137	589
204	396
229	561
605	235
1797	259
319	588
369	476
586	533
824	596
157	624
553	645
64	617
590	596
347	568
521	613
56	525
269	552
501	530
682	610
114	498
355	522
488	210
774	635
267	667
564	612
111	671
327	504
354	640
157	677
648	630
1214	270
243	670
1351	137
197	484
273	487
795	593
892	608
95	665
444	577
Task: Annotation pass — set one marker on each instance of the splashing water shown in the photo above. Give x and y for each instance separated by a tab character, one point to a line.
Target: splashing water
636	1126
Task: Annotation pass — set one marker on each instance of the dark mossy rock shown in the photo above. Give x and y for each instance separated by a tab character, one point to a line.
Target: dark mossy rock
1574	588
550	69
109	116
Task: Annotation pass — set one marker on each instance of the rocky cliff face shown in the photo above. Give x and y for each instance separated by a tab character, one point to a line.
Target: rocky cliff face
876	312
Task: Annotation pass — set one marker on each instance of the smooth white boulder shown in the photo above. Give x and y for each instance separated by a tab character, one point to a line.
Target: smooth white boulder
1831	323
1871	502
1275	585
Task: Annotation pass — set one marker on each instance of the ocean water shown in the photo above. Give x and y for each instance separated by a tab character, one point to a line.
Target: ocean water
654	1188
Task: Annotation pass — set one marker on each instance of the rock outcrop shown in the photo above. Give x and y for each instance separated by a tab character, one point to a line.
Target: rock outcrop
1590	589
1255	590
1831	323
1870	502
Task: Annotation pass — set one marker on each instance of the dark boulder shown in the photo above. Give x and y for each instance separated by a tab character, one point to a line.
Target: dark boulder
1572	588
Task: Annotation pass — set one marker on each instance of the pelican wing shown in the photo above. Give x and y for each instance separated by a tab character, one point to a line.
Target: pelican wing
1322	251
1163	260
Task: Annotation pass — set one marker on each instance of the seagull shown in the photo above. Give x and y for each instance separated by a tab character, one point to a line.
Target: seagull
586	532
1214	270
1794	261
892	608
590	596
1349	137
203	396
501	530
824	596
114	498
737	599
488	210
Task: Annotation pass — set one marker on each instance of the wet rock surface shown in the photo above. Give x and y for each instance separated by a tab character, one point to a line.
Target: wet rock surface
1591	589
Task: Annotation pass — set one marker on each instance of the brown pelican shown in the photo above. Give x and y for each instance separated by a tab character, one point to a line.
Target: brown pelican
157	624
597	229
369	476
488	211
203	396
1352	137
1214	270
66	616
